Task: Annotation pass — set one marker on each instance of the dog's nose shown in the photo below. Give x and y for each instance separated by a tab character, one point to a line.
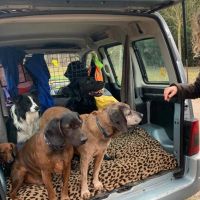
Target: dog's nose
83	140
141	115
37	108
138	114
10	161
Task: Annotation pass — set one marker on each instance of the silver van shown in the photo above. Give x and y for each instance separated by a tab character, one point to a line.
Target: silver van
140	59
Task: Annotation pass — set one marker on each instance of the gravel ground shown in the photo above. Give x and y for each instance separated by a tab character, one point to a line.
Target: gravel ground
196	109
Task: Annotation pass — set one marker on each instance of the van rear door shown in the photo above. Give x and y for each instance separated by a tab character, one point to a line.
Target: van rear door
138	6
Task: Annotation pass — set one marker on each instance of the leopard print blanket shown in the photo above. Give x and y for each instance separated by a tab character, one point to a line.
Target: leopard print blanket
136	157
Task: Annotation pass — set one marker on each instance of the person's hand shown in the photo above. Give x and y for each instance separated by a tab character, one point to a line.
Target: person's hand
169	92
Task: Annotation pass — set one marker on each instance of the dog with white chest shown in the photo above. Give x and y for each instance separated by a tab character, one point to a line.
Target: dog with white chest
25	115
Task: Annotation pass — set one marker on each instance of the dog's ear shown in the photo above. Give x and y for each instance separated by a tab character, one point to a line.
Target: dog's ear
14	149
54	126
53	132
77	93
118	119
17	99
74	91
35	98
78	116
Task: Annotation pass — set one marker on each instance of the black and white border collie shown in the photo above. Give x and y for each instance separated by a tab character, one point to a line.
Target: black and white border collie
25	115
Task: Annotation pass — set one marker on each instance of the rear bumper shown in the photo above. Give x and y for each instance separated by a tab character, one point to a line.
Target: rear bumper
166	187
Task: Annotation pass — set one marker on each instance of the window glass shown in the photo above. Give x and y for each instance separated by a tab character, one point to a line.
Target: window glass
152	63
115	53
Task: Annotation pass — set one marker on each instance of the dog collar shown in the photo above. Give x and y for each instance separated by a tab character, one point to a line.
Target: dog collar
54	147
102	130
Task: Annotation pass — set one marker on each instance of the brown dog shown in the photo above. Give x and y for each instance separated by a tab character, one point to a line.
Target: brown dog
100	126
50	150
7	152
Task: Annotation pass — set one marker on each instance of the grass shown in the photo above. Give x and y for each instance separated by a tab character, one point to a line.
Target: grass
161	74
192	73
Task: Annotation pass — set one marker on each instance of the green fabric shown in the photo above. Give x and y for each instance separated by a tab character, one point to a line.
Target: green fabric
97	62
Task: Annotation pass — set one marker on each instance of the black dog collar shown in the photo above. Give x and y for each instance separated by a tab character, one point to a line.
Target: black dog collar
103	131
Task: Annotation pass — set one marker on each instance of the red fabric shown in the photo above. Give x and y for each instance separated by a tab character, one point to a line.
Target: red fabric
24	87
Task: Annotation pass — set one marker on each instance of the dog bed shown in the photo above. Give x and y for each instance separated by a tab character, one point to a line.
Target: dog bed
136	156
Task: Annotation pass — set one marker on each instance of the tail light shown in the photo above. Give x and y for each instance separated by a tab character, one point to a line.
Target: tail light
194	138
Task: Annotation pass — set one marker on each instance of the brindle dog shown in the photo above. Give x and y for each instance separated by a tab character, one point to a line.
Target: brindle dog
48	151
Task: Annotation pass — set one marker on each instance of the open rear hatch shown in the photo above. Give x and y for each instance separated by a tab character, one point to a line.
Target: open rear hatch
10	8
23	7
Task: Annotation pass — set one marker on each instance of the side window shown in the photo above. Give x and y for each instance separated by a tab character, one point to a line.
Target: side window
115	55
151	61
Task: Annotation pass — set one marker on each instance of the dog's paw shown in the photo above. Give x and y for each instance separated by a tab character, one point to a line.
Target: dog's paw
65	198
85	194
13	196
16	198
98	186
52	196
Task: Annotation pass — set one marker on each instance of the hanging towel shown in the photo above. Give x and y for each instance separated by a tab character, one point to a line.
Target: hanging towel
37	68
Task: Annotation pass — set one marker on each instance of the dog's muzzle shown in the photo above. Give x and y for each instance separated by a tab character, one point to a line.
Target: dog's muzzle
37	108
96	93
84	140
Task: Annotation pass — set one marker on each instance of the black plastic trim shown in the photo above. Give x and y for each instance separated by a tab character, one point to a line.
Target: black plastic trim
181	168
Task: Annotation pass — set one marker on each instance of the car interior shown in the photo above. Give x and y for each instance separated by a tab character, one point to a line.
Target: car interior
136	66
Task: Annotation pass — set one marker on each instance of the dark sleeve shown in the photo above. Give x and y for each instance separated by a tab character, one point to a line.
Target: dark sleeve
189	91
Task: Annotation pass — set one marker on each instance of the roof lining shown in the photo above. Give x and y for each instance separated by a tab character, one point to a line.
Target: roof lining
66	29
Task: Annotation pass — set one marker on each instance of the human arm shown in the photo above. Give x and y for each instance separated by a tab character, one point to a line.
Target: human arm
183	91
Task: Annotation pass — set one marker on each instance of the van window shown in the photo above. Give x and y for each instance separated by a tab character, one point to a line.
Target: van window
115	55
151	61
57	65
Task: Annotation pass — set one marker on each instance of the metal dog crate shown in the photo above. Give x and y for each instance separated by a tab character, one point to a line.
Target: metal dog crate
57	65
